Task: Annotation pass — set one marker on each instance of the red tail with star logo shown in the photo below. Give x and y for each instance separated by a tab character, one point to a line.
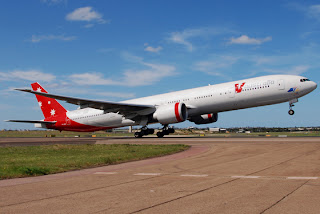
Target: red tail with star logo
51	109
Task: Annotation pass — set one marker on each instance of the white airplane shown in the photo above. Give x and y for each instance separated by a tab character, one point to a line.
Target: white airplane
199	105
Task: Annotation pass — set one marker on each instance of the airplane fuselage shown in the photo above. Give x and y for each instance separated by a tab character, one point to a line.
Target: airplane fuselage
253	92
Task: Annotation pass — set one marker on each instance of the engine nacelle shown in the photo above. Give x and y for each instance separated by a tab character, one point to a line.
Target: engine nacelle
172	113
204	119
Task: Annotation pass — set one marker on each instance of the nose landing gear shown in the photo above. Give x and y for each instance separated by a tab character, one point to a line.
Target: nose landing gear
291	112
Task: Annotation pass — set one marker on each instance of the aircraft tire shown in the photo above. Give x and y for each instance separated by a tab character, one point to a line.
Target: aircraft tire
138	134
291	112
160	134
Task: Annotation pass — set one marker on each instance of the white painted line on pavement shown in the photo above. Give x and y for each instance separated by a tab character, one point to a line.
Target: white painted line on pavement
148	174
194	175
243	176
303	178
105	173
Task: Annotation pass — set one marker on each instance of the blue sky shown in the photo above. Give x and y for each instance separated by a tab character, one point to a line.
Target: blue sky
118	50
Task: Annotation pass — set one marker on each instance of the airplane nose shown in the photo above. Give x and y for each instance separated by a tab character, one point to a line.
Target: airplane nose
314	85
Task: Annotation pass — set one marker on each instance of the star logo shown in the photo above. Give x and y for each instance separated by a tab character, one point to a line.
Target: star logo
52	112
40	104
39	89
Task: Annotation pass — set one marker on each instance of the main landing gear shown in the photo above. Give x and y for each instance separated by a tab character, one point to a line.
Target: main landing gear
165	131
144	131
291	112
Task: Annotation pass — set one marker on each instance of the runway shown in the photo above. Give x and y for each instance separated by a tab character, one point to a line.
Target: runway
217	175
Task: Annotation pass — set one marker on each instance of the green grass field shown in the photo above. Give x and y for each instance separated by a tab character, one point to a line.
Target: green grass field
42	160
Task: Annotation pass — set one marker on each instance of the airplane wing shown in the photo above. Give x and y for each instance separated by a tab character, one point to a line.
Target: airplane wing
31	121
123	108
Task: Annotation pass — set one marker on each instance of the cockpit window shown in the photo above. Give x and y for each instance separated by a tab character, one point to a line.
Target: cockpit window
304	80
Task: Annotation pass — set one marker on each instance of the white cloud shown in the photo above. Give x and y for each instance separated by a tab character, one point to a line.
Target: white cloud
245	40
152	49
184	37
295	70
305	60
314	11
115	94
52	2
154	73
86	14
76	90
29	75
39	38
131	77
216	65
181	38
91	79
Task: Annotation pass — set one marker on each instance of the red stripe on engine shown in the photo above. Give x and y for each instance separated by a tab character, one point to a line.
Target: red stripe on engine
176	111
210	117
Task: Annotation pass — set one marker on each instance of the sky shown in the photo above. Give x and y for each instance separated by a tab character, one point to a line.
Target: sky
122	49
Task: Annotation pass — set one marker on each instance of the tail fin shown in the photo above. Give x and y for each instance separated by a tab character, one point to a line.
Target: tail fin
49	106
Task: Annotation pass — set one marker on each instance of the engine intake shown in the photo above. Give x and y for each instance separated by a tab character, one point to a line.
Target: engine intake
204	119
172	113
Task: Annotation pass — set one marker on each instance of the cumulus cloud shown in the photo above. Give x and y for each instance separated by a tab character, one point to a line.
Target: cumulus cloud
245	40
87	14
29	75
39	38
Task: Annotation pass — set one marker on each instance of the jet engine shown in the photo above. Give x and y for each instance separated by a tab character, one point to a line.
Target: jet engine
204	119
172	113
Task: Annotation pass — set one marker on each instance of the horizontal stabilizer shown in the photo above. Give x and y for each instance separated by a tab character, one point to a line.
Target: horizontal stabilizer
32	121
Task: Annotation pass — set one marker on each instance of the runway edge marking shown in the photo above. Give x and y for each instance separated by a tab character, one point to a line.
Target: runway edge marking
105	173
187	175
303	178
244	176
147	174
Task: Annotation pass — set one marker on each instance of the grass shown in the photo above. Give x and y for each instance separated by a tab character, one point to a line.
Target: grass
43	160
47	133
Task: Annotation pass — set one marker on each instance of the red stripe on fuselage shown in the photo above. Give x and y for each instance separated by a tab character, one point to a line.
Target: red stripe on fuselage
63	125
176	111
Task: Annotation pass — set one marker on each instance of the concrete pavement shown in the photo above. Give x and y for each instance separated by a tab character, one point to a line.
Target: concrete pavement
217	175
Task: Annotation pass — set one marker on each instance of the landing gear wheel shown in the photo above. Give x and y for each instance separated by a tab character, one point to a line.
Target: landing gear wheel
160	134
138	134
171	130
291	112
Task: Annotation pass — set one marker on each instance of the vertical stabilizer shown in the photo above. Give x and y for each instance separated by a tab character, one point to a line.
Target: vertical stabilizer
49	106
